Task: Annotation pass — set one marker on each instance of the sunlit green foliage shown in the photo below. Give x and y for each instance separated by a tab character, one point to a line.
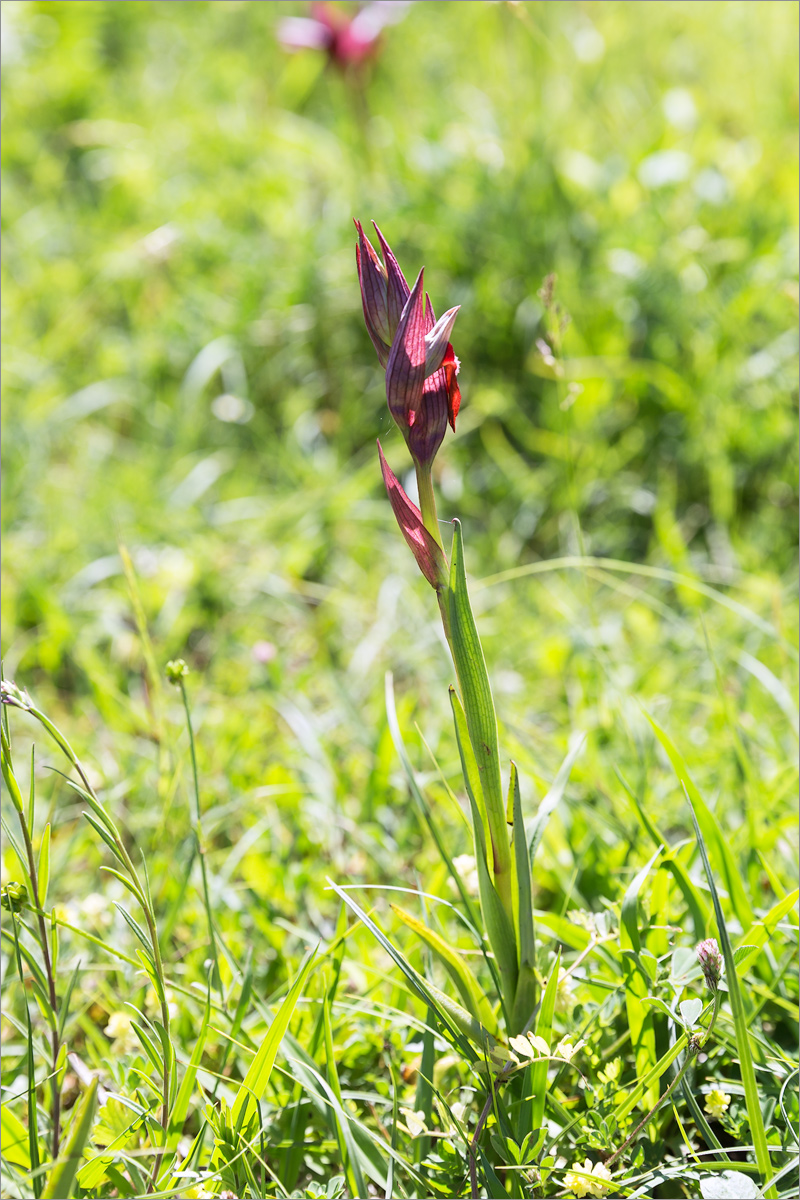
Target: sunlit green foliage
186	373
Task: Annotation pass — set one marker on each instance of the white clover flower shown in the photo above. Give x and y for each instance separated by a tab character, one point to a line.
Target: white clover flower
467	869
415	1122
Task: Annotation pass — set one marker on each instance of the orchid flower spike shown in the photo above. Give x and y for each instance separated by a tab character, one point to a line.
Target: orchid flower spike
413	347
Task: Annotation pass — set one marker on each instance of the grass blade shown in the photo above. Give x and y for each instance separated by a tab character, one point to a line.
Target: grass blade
43	869
456	1021
62	1177
544	1029
255	1081
694	901
347	1149
719	848
525	996
638	982
550	801
739	1019
472	996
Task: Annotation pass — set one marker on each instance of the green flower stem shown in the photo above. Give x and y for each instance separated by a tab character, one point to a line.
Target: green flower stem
427	501
199	836
695	1045
55	1109
691	1051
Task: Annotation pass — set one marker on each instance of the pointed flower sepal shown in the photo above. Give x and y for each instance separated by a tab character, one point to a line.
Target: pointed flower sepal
384	291
426	550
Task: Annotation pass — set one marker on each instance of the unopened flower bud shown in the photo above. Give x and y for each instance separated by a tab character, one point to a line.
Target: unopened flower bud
710	959
384	292
14	696
14	896
176	670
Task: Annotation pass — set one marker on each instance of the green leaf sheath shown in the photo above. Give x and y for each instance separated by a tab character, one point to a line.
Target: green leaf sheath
499	926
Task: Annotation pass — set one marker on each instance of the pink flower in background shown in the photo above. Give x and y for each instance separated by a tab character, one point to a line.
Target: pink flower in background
347	42
263	652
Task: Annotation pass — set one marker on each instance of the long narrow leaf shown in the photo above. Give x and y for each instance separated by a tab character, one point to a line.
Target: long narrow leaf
62	1177
544	1029
255	1081
638	982
715	840
694	901
476	695
550	801
757	936
457	1022
525	997
43	869
474	999
498	923
419	799
347	1149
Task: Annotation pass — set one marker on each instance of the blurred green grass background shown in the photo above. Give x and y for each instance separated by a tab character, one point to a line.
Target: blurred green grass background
186	371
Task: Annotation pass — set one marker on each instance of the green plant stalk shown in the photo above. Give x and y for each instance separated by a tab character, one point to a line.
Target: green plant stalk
199	836
44	942
66	748
690	1053
427	501
33	1135
693	1048
465	647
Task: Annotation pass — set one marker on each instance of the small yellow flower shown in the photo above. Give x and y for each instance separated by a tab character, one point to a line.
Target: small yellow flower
120	1029
588	1180
717	1103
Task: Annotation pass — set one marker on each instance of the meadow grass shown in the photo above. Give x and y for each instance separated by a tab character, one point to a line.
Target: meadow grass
191	404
